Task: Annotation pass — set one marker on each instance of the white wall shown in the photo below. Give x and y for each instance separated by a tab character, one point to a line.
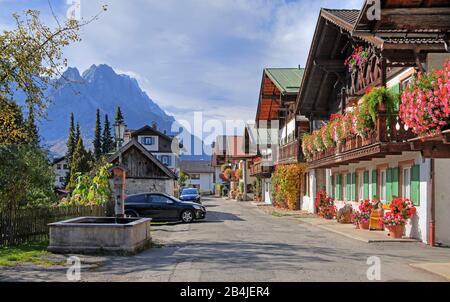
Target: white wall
205	182
442	201
60	173
418	226
154	147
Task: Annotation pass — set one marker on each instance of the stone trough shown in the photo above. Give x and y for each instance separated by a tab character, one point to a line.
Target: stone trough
100	235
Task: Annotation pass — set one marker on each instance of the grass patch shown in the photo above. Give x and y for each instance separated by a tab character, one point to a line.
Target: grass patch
26	253
277	214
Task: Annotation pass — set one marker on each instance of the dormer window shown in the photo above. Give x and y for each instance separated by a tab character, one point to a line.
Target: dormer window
148	140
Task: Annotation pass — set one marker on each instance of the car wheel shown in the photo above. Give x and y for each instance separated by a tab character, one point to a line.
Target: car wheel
131	214
187	216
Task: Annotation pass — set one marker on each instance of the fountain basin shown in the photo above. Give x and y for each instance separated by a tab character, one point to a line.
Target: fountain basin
100	235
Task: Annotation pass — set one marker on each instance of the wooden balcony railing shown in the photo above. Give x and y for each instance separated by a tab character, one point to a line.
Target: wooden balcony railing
257	168
389	137
289	153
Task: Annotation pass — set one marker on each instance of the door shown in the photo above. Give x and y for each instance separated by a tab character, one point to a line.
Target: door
167	208
267	191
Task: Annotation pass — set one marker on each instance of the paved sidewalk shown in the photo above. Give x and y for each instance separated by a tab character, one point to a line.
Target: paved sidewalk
349	230
441	269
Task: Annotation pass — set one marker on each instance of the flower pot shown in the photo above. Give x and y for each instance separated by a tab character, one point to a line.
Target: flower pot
364	225
396	231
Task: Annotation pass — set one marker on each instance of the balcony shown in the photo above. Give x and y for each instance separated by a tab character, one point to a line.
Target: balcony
289	153
258	170
390	137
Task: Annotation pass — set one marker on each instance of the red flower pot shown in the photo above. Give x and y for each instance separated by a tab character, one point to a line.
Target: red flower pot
396	231
364	225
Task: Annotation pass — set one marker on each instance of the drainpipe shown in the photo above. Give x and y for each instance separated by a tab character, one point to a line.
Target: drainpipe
432	224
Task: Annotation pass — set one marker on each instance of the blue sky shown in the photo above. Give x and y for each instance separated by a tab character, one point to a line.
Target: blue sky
192	55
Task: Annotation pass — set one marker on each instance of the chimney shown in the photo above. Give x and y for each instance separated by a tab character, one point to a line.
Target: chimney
154	126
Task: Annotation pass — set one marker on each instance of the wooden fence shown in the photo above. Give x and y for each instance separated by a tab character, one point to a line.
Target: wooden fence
31	224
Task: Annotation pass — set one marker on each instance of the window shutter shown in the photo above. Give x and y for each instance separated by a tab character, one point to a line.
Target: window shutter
395	89
353	186
394	189
374	183
366	185
388	185
332	186
415	185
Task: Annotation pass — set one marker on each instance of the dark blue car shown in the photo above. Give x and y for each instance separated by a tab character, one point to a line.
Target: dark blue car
190	194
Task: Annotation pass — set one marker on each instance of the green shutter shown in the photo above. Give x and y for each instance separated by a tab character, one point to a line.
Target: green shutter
374	183
394	188
353	186
388	185
332	186
366	185
415	185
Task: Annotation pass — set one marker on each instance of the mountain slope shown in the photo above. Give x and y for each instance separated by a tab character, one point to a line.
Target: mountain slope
98	87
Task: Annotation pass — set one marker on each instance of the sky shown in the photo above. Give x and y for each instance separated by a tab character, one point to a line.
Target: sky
191	55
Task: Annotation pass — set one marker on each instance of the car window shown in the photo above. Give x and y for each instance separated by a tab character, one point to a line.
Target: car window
159	199
136	199
189	191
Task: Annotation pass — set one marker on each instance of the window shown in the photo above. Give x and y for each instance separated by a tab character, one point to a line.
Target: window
159	199
58	166
148	140
361	185
383	185
165	159
62	179
66	167
406	190
195	176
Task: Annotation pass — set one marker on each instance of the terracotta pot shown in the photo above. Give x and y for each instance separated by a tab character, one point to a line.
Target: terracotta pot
396	231
364	226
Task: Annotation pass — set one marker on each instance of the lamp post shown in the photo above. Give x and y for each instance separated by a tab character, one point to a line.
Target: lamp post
119	172
119	132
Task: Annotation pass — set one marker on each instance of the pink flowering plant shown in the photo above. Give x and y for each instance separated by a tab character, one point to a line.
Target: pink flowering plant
358	57
425	104
392	219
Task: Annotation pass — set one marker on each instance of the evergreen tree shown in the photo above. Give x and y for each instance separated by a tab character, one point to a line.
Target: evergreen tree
97	137
107	139
79	163
119	116
71	145
33	133
77	134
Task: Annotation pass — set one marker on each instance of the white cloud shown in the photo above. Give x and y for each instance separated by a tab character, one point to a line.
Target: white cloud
199	54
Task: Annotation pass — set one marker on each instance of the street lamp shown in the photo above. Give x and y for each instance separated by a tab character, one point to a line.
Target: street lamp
119	132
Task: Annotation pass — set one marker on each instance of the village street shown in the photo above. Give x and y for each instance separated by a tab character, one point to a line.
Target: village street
239	242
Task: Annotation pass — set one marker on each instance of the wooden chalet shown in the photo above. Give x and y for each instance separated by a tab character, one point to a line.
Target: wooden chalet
410	37
145	173
277	126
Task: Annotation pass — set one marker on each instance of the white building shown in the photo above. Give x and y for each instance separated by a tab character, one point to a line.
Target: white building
61	170
200	173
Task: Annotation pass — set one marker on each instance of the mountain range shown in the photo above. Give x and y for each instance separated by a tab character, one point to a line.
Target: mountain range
98	87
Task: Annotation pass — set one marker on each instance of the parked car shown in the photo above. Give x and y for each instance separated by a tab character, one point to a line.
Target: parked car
190	194
163	207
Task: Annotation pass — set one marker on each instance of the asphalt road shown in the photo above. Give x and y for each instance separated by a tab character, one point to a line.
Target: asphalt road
238	242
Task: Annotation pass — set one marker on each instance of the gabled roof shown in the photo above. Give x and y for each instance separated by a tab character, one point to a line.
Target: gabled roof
286	79
136	144
150	129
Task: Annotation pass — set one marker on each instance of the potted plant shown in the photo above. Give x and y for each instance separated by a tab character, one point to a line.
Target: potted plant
325	205
395	224
365	209
356	218
401	210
